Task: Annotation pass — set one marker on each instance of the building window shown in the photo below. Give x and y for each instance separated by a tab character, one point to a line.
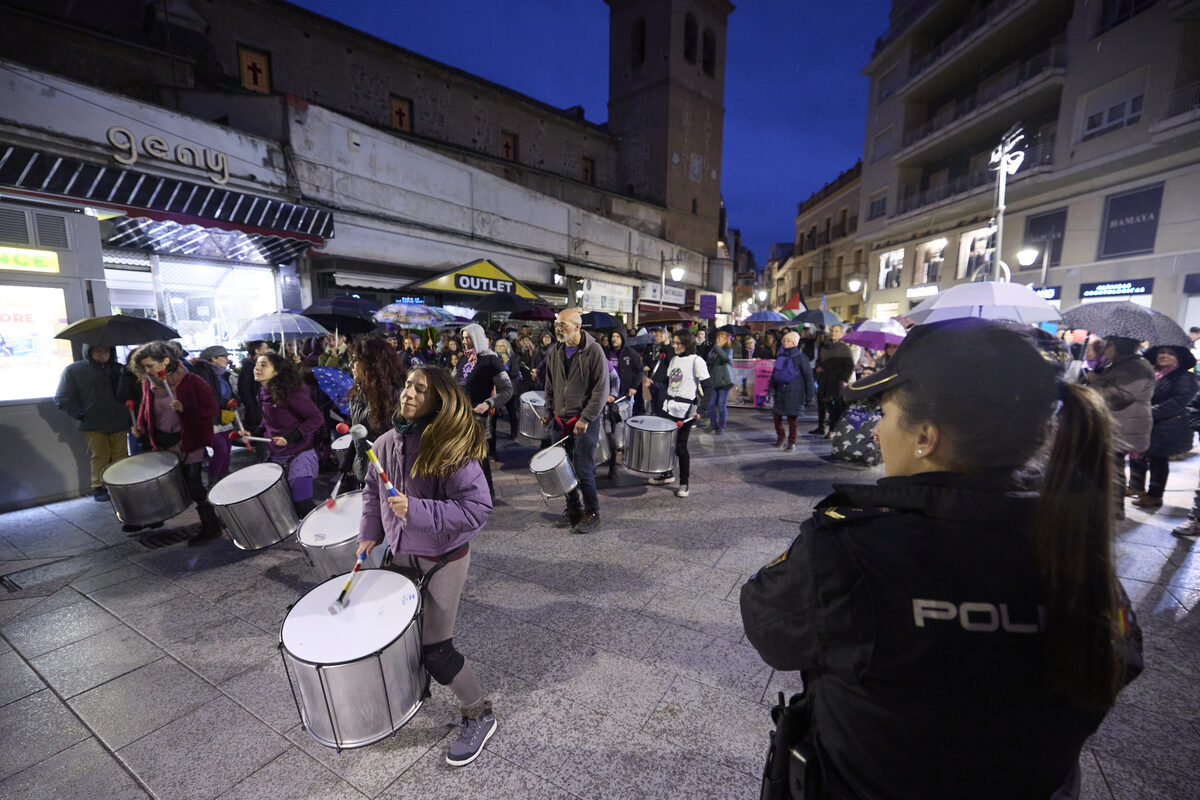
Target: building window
878	207
883	144
1046	231
1114	106
637	45
889	82
255	67
508	146
402	114
1114	12
891	265
696	167
930	259
975	251
689	38
695	206
709	53
589	171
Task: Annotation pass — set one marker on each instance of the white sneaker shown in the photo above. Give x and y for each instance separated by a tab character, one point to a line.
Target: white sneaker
682	491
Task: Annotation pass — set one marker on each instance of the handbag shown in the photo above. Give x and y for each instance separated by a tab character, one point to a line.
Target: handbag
790	772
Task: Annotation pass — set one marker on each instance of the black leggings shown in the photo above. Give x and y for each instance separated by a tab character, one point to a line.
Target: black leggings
1159	468
681	451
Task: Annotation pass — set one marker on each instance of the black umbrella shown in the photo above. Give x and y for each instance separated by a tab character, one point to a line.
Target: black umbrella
1125	319
116	329
818	317
342	305
734	330
502	302
598	320
342	323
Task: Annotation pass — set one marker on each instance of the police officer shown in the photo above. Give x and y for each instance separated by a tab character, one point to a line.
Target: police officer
953	639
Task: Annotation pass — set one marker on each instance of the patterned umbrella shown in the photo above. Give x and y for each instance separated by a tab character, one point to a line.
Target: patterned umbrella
335	383
408	315
281	326
1128	320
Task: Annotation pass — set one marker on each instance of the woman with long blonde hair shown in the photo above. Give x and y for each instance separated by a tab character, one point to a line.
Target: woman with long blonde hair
432	453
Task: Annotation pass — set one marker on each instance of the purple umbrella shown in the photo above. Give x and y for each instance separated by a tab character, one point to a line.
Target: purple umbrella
876	335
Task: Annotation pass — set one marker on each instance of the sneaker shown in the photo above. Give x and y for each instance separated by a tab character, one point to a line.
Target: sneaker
1188	530
100	494
720	430
790	447
779	442
569	518
682	491
659	480
589	523
474	735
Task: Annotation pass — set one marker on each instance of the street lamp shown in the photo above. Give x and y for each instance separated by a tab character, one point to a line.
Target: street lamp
1005	161
854	284
1029	255
676	275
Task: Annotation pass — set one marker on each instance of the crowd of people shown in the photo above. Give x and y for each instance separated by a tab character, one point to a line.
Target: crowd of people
995	481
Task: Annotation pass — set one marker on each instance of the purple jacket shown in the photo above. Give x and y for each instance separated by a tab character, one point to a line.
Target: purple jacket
296	422
443	513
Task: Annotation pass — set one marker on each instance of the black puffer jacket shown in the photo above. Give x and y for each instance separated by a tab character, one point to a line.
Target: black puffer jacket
87	391
911	608
629	364
1171	434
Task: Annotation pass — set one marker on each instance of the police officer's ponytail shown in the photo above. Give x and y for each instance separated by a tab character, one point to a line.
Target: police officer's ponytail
1073	548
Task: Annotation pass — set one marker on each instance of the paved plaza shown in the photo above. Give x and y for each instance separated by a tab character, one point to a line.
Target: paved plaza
134	668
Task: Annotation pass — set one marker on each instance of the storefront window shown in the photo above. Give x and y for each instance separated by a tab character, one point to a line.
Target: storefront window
31	359
891	265
974	251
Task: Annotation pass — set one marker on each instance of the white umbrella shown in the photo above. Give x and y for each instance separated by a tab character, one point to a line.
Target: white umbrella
986	300
282	326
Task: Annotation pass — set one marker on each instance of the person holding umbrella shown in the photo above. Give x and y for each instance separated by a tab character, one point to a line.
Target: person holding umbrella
1126	382
87	392
1174	388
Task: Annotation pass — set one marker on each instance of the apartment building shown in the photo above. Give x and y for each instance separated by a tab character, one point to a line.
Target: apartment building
1107	97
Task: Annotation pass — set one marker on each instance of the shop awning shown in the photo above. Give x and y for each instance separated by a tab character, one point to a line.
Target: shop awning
477	277
34	173
171	238
368	280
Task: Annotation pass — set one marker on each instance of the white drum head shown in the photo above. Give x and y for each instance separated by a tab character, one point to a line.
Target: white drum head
654	424
548	459
326	526
534	398
139	468
244	484
379	609
342	442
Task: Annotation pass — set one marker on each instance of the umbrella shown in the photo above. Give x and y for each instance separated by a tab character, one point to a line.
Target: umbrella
666	315
766	316
1125	319
502	302
640	341
280	326
594	320
987	300
876	335
116	329
335	383
535	314
343	314
408	315
817	316
734	330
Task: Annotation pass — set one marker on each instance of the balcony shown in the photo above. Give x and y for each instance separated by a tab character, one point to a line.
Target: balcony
1040	155
1181	109
991	92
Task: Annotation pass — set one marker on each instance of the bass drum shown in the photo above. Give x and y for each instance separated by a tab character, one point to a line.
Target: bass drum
255	504
146	488
533	410
357	676
329	536
651	445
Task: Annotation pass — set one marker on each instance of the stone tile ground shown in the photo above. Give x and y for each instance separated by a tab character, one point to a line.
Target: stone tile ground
144	668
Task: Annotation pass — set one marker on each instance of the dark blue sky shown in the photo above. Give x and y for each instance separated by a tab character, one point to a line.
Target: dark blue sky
795	102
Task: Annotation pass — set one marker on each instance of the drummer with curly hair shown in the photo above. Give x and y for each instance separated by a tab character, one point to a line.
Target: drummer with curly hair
433	453
176	414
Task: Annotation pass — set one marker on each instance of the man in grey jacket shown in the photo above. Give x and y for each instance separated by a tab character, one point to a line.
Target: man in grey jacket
1126	383
87	391
576	390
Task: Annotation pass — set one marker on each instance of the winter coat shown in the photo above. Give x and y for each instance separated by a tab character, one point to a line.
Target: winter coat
443	513
247	394
87	391
720	366
908	607
354	458
195	420
580	389
1171	434
296	421
837	365
789	399
1127	385
629	369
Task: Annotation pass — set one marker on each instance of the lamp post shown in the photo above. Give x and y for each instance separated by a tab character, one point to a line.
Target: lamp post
1029	255
1005	161
676	275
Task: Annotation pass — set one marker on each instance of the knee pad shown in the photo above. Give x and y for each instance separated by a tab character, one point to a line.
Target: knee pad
442	661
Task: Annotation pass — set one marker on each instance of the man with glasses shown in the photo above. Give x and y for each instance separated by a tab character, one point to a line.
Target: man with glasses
576	390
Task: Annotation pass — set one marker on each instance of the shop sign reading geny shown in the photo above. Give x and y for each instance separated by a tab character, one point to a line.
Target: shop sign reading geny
125	143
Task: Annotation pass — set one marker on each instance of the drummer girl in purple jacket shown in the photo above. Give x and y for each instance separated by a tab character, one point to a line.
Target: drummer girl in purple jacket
432	455
290	418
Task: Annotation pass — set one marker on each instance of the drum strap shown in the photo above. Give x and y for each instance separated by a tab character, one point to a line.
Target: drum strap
415	573
567	425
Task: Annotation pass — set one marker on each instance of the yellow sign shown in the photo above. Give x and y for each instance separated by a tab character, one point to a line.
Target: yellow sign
28	260
478	277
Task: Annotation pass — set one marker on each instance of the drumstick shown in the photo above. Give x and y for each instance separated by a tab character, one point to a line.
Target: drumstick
235	436
162	376
337	606
132	417
332	501
232	405
387	482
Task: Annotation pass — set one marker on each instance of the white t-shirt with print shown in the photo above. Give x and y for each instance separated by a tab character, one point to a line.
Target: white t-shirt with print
684	374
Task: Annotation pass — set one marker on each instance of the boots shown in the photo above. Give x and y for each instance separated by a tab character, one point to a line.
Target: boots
791	445
210	525
779	431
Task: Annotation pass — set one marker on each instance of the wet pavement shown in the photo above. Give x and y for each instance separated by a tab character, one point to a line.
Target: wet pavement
138	666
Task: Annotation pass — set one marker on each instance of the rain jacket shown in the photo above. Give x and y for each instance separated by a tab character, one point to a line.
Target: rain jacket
1127	385
629	365
87	391
720	366
789	399
443	513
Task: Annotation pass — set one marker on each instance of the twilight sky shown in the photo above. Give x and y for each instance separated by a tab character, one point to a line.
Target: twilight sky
795	103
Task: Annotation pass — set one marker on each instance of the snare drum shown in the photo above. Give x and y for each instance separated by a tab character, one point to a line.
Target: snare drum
255	504
146	488
651	445
357	676
601	453
329	536
533	410
552	468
